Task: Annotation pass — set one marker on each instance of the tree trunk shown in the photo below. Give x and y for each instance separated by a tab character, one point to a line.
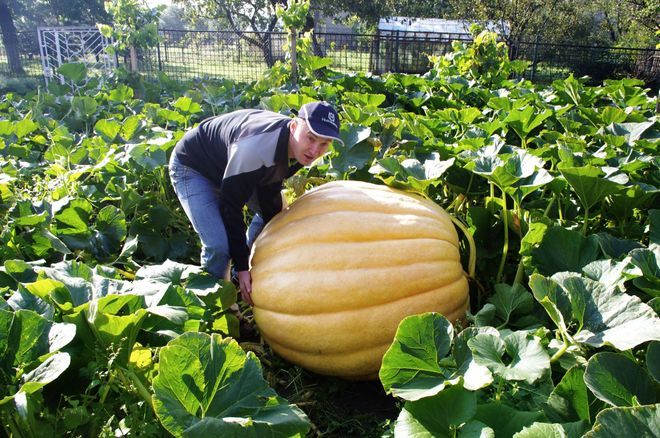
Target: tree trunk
10	39
267	48
134	59
294	57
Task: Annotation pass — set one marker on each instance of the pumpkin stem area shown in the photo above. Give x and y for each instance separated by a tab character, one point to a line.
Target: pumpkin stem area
472	260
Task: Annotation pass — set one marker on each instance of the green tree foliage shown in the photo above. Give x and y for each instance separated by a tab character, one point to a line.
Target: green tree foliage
239	15
243	17
28	14
606	22
520	18
370	11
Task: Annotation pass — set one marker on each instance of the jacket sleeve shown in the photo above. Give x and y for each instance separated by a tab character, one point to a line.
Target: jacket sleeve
270	200
234	195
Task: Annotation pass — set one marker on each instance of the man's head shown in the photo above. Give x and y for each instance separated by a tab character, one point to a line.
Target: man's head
312	132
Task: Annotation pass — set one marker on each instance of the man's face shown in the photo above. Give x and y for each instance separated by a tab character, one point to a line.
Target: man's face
304	145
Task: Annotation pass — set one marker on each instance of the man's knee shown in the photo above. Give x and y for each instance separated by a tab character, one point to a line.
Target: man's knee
215	260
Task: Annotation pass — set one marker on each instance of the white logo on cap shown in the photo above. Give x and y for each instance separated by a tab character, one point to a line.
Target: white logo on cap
331	117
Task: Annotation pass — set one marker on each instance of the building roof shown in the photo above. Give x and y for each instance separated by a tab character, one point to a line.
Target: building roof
439	25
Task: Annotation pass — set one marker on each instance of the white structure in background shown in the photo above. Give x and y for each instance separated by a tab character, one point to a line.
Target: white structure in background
433	25
61	45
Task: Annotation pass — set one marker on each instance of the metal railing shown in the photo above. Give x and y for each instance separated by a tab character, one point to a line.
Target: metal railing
244	56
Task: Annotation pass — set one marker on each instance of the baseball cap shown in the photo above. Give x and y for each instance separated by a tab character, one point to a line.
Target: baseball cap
322	119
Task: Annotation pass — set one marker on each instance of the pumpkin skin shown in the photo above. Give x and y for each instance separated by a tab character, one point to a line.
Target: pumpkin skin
335	273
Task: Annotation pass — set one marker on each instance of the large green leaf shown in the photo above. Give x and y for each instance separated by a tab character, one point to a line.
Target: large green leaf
475	376
630	131
562	250
107	128
512	306
46	372
553	430
648	262
505	420
590	183
524	121
518	356
639	422
73	71
71	224
605	316
436	416
569	400
413	366
116	320
285	101
411	174
208	386
24	299
617	380
167	272
187	105
365	99
653	360
654	230
110	231
26	337
356	152
84	106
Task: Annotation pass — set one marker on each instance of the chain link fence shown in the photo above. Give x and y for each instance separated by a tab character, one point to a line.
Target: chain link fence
244	56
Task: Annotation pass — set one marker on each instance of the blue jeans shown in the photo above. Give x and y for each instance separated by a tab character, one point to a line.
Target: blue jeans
200	199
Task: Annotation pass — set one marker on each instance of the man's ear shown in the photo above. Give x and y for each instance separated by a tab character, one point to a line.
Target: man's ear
293	125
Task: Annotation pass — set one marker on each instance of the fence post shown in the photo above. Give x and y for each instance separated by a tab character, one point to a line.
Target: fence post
396	52
375	54
160	62
534	54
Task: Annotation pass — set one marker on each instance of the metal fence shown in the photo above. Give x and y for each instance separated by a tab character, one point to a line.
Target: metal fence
28	54
244	56
552	61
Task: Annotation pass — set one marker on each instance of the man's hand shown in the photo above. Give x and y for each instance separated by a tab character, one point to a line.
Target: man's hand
245	285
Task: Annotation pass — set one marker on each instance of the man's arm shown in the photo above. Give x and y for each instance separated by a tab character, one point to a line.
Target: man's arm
270	200
234	194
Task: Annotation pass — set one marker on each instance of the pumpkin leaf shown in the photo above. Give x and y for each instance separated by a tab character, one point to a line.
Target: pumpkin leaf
413	366
641	421
108	129
653	360
605	316
617	380
116	321
560	250
553	430
510	302
505	420
355	152
590	183
569	401
435	416
476	429
207	386
525	120
518	356
411	174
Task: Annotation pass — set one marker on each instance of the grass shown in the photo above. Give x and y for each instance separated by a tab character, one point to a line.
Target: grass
335	407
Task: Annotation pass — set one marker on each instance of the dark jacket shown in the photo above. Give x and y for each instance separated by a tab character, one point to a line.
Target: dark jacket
246	153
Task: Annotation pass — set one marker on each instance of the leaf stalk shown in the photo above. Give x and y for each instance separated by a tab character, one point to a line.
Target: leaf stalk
505	249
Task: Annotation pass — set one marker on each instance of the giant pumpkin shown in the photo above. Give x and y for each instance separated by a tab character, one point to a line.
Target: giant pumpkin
335	273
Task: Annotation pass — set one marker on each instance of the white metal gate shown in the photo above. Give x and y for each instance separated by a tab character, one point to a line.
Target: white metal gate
86	45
